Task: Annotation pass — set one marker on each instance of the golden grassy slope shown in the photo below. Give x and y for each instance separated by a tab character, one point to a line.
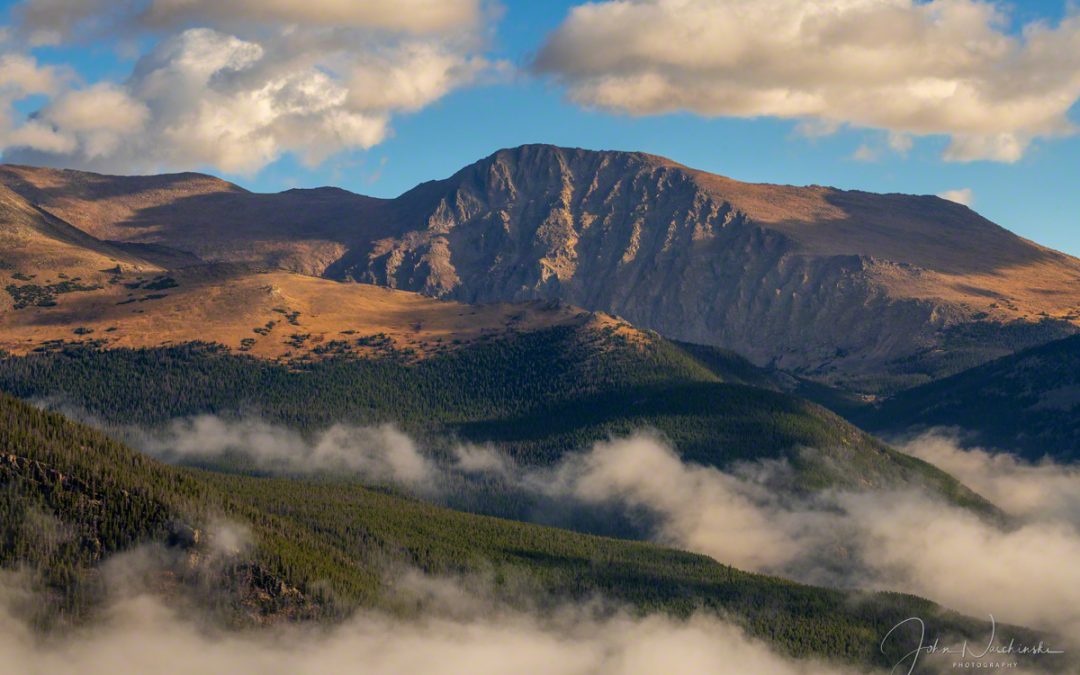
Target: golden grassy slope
923	247
275	315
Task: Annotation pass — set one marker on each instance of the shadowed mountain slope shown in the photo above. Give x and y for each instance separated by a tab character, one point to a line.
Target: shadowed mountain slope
1026	403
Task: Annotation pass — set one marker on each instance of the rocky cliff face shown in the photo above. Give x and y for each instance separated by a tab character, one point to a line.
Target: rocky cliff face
708	260
870	291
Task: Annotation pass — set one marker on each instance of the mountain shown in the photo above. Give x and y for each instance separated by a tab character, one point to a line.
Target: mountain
861	289
185	218
537	379
871	292
1026	403
322	550
469	314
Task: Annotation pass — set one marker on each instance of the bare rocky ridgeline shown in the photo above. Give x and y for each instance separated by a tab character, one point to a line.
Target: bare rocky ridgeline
874	292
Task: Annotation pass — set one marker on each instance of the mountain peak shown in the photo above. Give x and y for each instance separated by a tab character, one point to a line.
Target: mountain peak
547	150
920	230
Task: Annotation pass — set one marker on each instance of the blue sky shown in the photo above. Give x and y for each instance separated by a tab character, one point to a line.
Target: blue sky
1036	196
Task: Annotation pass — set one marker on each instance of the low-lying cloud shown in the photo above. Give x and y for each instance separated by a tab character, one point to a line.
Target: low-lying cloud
1026	571
1023	571
948	67
1032	491
458	632
382	454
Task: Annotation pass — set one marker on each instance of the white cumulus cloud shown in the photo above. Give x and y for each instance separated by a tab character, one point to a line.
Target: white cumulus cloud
944	67
416	16
21	75
962	196
234	85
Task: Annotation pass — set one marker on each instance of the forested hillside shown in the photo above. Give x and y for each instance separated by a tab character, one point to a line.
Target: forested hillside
324	548
535	395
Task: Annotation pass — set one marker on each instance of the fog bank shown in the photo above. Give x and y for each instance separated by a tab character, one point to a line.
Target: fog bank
140	634
1026	572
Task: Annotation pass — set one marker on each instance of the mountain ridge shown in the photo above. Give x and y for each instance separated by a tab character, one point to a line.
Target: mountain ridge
871	292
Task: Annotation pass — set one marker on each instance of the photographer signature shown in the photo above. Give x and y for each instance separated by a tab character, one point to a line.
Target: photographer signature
960	651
